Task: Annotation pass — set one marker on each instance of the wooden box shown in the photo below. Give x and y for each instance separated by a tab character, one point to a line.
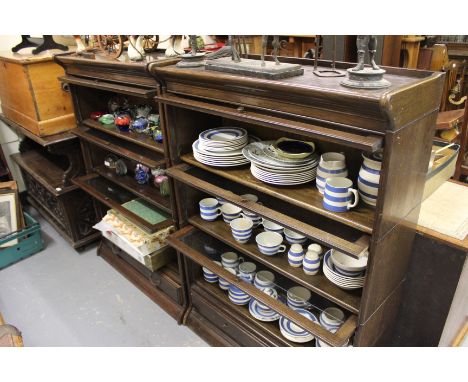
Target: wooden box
32	96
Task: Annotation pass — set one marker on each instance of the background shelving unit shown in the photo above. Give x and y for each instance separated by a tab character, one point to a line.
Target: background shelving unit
93	81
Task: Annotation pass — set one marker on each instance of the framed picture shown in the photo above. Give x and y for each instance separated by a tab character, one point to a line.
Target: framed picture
9	214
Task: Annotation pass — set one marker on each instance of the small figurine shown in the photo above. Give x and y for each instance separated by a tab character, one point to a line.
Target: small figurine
366	43
139	125
96	115
142	111
276	47
118	103
135	48
158	136
174	46
161	181
120	167
107	119
122	122
234	53
141	174
153	119
362	77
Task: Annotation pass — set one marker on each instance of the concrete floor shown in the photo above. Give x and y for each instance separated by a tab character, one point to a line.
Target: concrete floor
60	297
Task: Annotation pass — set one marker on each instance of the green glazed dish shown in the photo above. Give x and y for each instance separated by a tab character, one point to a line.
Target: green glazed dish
293	149
107	119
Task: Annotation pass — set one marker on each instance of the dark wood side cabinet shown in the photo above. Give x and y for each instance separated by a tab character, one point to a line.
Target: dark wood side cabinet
400	119
93	82
48	165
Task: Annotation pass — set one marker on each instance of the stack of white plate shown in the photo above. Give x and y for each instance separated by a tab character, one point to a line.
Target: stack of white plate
269	167
344	282
221	147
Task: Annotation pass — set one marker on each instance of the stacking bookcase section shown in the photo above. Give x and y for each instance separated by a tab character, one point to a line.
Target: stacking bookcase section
125	155
349	300
190	242
362	141
215	121
354	249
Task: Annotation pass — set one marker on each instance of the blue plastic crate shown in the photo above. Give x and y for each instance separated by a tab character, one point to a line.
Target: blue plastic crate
29	242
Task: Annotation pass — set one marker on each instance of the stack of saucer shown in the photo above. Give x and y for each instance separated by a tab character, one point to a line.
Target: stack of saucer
221	147
344	282
269	167
295	333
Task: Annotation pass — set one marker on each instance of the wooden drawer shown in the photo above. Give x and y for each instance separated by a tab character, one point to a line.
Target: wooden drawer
239	332
165	279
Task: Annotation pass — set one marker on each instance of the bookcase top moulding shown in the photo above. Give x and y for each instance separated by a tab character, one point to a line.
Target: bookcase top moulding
312	97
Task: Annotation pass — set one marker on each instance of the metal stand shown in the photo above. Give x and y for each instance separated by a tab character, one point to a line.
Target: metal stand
45	43
327	72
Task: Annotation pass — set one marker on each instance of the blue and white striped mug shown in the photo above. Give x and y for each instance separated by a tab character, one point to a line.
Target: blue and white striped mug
241	229
210	276
338	195
238	296
230	212
209	209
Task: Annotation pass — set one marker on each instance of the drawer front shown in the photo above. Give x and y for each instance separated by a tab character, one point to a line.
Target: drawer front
164	279
242	334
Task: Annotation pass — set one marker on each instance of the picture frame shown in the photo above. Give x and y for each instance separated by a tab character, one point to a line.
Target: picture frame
10	220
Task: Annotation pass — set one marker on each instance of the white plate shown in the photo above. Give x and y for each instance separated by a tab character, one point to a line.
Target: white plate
196	147
254	152
223	134
284	172
259	315
307	174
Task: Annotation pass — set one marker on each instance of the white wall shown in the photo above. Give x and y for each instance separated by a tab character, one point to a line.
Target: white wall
8	138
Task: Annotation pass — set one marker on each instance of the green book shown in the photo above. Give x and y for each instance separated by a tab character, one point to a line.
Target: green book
145	210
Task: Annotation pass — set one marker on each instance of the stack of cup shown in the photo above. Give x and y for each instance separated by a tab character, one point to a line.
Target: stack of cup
230	261
256	220
332	318
223	284
247	274
210	276
230	212
264	279
247	271
298	297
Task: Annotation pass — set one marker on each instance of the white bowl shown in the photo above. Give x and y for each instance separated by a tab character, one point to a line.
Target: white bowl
348	263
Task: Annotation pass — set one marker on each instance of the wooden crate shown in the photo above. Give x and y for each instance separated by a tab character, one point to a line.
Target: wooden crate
32	96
